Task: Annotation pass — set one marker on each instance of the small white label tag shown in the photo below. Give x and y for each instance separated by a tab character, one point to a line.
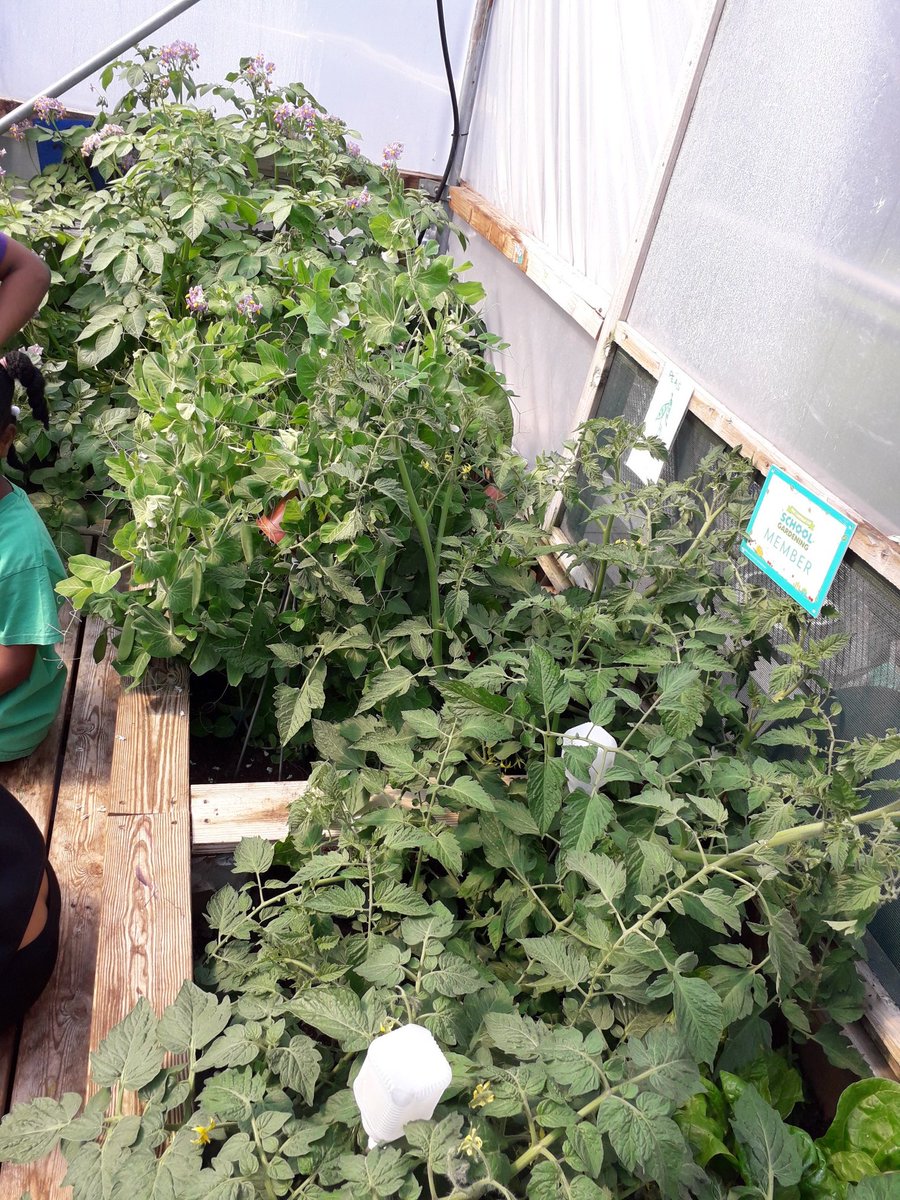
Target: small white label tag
663	420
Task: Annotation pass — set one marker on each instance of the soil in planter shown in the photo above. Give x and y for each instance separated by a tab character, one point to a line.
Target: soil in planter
220	715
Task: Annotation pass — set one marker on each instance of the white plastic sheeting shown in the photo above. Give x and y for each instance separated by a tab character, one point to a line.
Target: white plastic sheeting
378	66
548	353
574	100
773	274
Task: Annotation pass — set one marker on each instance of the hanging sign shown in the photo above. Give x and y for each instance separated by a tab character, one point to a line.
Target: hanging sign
664	416
797	539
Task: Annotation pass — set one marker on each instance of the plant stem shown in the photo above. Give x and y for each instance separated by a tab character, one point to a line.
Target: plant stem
437	645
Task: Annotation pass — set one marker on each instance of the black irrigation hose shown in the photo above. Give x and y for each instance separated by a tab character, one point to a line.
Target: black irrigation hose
453	101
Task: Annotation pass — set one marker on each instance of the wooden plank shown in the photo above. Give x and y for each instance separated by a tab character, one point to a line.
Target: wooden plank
582	299
53	1053
870	544
144	938
882	1018
144	945
222	813
645	226
32	780
151	764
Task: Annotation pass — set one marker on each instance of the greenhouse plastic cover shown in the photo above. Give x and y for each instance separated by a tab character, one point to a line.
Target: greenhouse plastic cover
378	66
574	101
547	356
773	274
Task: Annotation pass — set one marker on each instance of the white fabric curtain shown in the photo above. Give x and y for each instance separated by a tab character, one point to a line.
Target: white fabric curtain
574	99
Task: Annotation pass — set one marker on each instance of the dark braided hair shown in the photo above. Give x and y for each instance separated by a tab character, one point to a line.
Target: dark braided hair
18	366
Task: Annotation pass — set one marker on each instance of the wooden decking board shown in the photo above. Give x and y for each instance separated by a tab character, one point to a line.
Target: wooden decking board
111	788
150	766
53	1052
224	813
145	923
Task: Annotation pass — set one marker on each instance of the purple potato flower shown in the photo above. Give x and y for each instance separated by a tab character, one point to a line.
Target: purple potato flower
248	307
48	108
179	55
354	149
359	201
91	143
196	301
258	70
391	153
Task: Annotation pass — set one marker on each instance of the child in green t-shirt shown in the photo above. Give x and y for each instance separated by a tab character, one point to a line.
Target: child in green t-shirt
31	674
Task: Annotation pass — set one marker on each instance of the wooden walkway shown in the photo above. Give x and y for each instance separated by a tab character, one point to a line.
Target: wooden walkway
109	788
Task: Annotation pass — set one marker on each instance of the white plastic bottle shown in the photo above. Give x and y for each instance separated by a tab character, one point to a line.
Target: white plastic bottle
591	735
403	1077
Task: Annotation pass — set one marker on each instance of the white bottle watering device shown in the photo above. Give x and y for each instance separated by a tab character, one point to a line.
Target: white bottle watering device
591	735
402	1078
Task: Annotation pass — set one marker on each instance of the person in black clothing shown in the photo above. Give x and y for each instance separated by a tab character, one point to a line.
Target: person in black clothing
29	911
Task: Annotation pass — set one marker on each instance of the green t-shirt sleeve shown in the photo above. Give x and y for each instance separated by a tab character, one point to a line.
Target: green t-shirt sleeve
29	609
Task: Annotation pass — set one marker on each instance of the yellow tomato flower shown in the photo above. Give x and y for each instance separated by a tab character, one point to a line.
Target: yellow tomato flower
203	1132
482	1095
471	1144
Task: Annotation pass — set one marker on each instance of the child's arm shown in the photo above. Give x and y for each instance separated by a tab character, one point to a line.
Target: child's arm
15	666
24	280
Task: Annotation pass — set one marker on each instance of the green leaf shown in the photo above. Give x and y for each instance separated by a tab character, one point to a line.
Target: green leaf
395	682
522	1038
424	723
604	875
297	1065
573	1059
544	682
193	1019
788	955
699	1015
868	1120
436	1141
383	964
546	778
294	707
453	976
253	856
664	1064
771	1154
131	1054
583	1149
469	793
381	1172
560	958
396	897
32	1130
645	1138
585	818
339	1014
436	926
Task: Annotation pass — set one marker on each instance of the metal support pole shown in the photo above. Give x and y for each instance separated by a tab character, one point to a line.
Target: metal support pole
469	90
98	61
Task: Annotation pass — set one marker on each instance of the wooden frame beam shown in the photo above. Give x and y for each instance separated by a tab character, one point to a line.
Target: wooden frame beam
880	551
583	300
